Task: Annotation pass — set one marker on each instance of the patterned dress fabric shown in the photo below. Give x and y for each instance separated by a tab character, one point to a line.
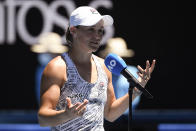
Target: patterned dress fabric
77	89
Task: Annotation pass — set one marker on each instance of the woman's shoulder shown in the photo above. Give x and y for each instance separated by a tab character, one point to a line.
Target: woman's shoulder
57	62
101	60
56	66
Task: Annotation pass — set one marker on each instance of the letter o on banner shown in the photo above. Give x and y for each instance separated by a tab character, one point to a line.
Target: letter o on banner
24	34
2	27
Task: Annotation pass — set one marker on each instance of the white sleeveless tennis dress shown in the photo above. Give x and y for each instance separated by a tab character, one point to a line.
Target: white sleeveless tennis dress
77	89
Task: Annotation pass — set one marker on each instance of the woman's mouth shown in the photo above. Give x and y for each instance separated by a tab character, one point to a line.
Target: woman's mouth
94	45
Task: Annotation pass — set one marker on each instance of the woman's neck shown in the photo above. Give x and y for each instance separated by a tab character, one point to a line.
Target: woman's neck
79	56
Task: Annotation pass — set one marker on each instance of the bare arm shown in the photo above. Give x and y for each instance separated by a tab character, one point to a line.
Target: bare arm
114	108
52	80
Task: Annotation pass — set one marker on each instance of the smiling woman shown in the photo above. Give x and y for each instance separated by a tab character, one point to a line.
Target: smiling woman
89	36
95	31
76	88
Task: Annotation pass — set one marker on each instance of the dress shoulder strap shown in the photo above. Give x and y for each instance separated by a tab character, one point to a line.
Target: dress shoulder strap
67	59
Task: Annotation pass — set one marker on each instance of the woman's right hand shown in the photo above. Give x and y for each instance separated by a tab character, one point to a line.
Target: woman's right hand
75	110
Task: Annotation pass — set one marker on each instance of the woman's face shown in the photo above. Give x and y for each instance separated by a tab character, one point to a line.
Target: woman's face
89	37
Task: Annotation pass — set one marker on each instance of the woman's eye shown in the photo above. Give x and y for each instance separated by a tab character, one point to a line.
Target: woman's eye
101	31
91	29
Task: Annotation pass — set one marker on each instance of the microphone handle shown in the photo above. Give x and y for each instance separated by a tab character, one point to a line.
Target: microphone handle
127	74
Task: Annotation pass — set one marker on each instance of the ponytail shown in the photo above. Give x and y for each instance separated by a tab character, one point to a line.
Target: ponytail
69	37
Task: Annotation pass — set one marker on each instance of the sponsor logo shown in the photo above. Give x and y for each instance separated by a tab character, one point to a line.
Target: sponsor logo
93	11
76	96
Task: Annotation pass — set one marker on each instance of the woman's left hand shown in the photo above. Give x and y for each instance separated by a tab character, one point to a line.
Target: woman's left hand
145	74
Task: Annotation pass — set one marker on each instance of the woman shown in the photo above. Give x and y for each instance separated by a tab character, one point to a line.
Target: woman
76	88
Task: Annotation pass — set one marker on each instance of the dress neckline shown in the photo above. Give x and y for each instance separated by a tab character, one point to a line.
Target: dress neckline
96	64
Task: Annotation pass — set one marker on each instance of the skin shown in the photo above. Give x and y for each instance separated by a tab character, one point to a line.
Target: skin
86	40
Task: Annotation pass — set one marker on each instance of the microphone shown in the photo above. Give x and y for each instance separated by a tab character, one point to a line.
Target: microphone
117	66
